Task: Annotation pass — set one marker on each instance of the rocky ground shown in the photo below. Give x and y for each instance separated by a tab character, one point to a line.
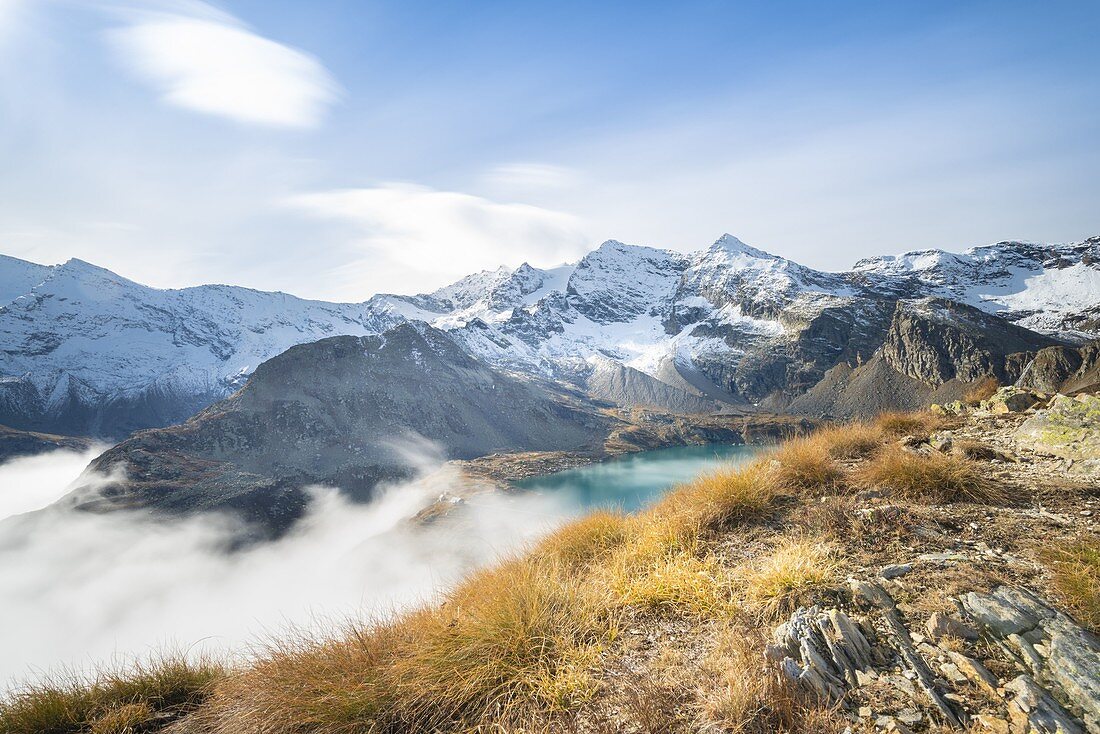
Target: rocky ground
936	617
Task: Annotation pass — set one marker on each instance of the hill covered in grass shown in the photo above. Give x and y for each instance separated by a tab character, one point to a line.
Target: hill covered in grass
921	572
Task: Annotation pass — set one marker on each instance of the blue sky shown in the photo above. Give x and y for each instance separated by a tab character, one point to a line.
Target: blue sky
334	148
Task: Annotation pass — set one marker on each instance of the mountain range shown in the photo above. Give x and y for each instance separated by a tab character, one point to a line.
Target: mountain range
727	328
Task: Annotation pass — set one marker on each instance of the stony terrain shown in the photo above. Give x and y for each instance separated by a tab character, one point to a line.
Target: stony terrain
944	616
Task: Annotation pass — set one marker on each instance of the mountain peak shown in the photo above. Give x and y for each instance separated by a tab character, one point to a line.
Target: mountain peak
729	243
78	268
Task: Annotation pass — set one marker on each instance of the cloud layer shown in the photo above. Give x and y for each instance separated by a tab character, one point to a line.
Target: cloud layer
210	63
31	482
126	585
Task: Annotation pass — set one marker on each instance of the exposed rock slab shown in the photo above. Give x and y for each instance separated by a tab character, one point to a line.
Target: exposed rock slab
1069	427
1060	655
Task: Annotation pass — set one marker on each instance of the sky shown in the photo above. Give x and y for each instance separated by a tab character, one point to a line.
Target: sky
338	148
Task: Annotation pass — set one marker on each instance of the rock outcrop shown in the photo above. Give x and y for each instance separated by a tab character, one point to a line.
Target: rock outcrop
935	341
933	351
1053	689
1069	427
1050	649
1064	369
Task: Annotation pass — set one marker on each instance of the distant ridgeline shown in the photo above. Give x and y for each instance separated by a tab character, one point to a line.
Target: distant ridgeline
87	352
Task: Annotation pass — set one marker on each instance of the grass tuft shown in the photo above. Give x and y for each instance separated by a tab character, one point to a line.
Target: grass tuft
983	389
895	424
716	500
1075	568
807	463
850	441
932	478
585	541
701	587
780	582
112	702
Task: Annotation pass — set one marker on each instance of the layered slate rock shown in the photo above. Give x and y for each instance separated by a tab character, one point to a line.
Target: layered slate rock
1055	651
1051	685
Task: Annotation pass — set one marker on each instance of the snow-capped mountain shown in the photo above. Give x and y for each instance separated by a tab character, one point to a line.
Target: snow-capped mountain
1047	288
87	351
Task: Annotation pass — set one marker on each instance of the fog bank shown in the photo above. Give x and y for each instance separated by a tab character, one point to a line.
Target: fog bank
80	589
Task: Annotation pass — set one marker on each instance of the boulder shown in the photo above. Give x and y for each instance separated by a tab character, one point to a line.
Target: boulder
1011	400
941	441
1060	654
1069	427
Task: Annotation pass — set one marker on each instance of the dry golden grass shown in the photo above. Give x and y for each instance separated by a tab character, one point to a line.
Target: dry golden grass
111	702
851	440
522	636
780	582
895	424
741	695
131	718
585	541
663	565
933	478
687	584
718	499
983	389
1075	568
807	463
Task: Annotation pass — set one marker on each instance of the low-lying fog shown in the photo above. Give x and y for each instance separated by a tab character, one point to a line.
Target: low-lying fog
78	590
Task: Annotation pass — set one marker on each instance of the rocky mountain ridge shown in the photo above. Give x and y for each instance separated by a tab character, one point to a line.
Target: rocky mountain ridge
89	352
347	412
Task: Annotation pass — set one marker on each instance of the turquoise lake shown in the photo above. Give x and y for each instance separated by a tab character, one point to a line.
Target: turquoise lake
632	481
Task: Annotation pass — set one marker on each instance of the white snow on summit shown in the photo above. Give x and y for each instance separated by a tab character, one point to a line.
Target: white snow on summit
76	337
1041	286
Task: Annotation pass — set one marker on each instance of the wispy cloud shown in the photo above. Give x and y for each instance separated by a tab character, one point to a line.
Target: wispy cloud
531	176
406	235
207	61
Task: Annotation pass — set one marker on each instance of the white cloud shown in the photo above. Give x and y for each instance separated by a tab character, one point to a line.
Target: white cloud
32	482
209	62
124	584
405	235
